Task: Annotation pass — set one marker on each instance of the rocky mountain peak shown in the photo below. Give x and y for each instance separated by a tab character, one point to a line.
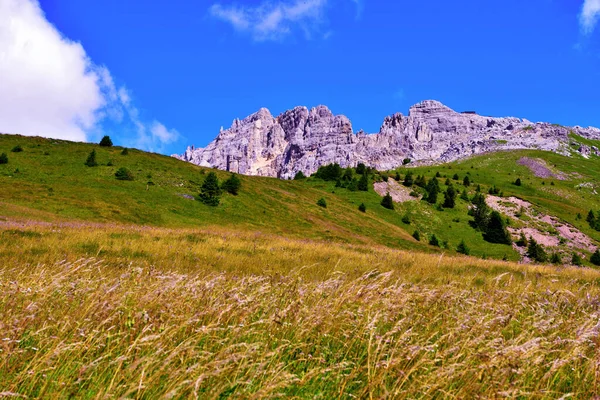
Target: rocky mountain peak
303	139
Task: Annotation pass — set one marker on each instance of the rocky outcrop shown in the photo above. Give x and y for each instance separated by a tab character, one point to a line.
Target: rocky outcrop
302	140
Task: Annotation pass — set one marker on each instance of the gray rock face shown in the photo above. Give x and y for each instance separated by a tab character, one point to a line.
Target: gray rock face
302	140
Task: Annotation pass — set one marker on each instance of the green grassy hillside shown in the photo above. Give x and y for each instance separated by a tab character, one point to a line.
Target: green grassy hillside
48	181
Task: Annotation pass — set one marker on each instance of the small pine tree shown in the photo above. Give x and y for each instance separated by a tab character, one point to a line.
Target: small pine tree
576	260
347	174
123	174
595	259
106	142
433	189
464	196
455	177
91	160
398	178
466	181
522	242
408	179
417	236
462	248
495	230
555	259
438	175
232	185
362	207
361	168
421	181
125	152
353	185
210	190
450	197
363	183
17	149
3	158
591	218
518	182
406	219
478	189
433	241
535	251
406	161
387	201
299	175
447	182
322	203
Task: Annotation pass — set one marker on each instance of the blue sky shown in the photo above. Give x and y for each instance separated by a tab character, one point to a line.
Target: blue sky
163	75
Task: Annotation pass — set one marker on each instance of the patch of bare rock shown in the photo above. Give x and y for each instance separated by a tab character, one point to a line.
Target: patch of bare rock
545	229
540	169
399	193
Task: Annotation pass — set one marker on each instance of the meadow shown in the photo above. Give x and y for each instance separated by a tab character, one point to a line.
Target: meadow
134	289
88	311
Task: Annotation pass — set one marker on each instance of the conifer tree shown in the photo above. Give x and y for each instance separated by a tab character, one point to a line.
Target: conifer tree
210	191
106	142
467	181
450	197
495	230
408	179
91	160
232	185
462	248
3	158
595	258
387	201
433	241
363	183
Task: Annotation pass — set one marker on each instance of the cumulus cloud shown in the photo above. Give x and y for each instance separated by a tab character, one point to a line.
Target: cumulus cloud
48	84
274	20
590	12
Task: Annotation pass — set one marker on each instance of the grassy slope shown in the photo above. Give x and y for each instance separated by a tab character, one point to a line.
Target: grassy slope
53	184
238	301
243	315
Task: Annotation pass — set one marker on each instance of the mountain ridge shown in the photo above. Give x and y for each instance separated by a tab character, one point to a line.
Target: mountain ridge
302	139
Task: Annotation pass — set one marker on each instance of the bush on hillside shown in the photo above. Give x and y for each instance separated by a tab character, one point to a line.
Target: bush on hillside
106	142
361	168
3	158
595	259
462	248
322	203
518	182
455	177
406	161
576	260
330	172
555	259
232	185
17	149
522	242
536	251
433	241
466	181
433	189
362	207
123	174
125	152
387	201
299	175
91	159
210	190
408	179
363	183
406	219
417	236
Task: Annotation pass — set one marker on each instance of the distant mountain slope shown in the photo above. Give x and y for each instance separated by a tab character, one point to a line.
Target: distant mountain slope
301	140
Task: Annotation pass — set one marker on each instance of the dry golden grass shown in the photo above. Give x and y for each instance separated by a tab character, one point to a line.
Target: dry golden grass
106	311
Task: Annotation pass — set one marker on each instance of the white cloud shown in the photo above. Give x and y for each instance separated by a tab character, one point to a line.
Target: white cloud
590	12
273	20
48	84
